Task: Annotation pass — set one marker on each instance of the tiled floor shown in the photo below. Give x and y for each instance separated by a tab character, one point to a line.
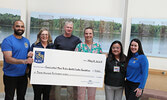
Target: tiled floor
29	95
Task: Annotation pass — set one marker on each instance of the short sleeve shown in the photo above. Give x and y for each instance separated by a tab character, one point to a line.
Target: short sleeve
78	48
6	45
100	49
32	46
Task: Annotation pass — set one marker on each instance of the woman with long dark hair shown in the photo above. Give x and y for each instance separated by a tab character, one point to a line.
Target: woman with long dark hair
136	71
115	72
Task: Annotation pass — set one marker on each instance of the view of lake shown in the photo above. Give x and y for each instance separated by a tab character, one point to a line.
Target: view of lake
153	46
104	39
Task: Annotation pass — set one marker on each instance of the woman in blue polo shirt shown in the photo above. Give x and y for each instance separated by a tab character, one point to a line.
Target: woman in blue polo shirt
44	40
136	71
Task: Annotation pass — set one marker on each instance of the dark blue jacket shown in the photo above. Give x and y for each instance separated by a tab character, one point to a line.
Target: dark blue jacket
38	45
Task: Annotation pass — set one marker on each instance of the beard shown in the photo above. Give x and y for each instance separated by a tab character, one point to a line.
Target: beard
18	32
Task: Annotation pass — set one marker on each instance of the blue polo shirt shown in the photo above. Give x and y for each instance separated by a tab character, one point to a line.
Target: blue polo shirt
19	49
137	70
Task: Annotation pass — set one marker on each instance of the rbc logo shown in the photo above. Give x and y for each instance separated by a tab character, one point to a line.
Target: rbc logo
39	56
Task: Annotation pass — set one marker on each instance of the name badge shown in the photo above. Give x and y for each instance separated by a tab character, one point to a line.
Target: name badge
116	69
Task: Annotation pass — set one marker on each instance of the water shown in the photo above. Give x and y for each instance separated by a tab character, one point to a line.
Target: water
4	32
104	39
153	46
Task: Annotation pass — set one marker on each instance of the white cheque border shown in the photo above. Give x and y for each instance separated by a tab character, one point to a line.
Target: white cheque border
68	68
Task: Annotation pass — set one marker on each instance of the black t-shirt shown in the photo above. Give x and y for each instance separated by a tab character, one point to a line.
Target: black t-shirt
66	43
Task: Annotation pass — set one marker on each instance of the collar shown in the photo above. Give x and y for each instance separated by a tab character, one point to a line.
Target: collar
39	44
135	54
67	36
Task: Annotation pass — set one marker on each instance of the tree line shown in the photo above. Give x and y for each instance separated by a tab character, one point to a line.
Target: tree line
79	24
8	19
154	30
57	24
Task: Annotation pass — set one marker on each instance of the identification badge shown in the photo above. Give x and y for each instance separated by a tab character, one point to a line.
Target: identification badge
116	69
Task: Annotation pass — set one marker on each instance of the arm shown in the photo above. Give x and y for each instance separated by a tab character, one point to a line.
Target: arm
9	59
79	41
123	70
78	48
106	66
144	71
55	44
100	49
30	53
144	67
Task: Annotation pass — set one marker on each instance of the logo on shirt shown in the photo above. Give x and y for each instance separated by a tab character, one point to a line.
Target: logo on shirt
39	56
26	45
134	60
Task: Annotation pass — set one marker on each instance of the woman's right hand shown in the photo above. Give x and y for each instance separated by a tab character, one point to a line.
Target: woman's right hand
30	54
138	92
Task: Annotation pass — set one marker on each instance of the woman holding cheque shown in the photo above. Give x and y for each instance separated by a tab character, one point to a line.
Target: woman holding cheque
115	72
90	47
44	40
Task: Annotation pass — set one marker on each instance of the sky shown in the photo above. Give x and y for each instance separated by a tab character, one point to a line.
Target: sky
149	21
44	15
58	15
10	11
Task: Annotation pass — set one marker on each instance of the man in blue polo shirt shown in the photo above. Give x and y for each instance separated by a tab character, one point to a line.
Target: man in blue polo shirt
15	48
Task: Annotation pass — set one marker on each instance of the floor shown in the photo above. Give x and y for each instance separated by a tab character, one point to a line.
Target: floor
29	95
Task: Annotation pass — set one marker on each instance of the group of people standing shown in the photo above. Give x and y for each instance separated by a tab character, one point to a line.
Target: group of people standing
18	55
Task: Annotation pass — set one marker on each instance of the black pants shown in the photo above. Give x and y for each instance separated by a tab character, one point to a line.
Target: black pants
41	90
129	90
15	83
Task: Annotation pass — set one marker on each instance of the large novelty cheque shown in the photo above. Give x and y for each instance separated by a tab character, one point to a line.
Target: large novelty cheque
68	68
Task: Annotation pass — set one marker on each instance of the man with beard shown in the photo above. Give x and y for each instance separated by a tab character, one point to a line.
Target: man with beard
15	48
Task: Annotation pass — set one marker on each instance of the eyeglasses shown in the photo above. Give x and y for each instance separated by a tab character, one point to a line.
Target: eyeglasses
44	34
115	47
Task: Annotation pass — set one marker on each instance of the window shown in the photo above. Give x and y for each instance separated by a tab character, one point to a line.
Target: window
106	29
7	17
153	35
